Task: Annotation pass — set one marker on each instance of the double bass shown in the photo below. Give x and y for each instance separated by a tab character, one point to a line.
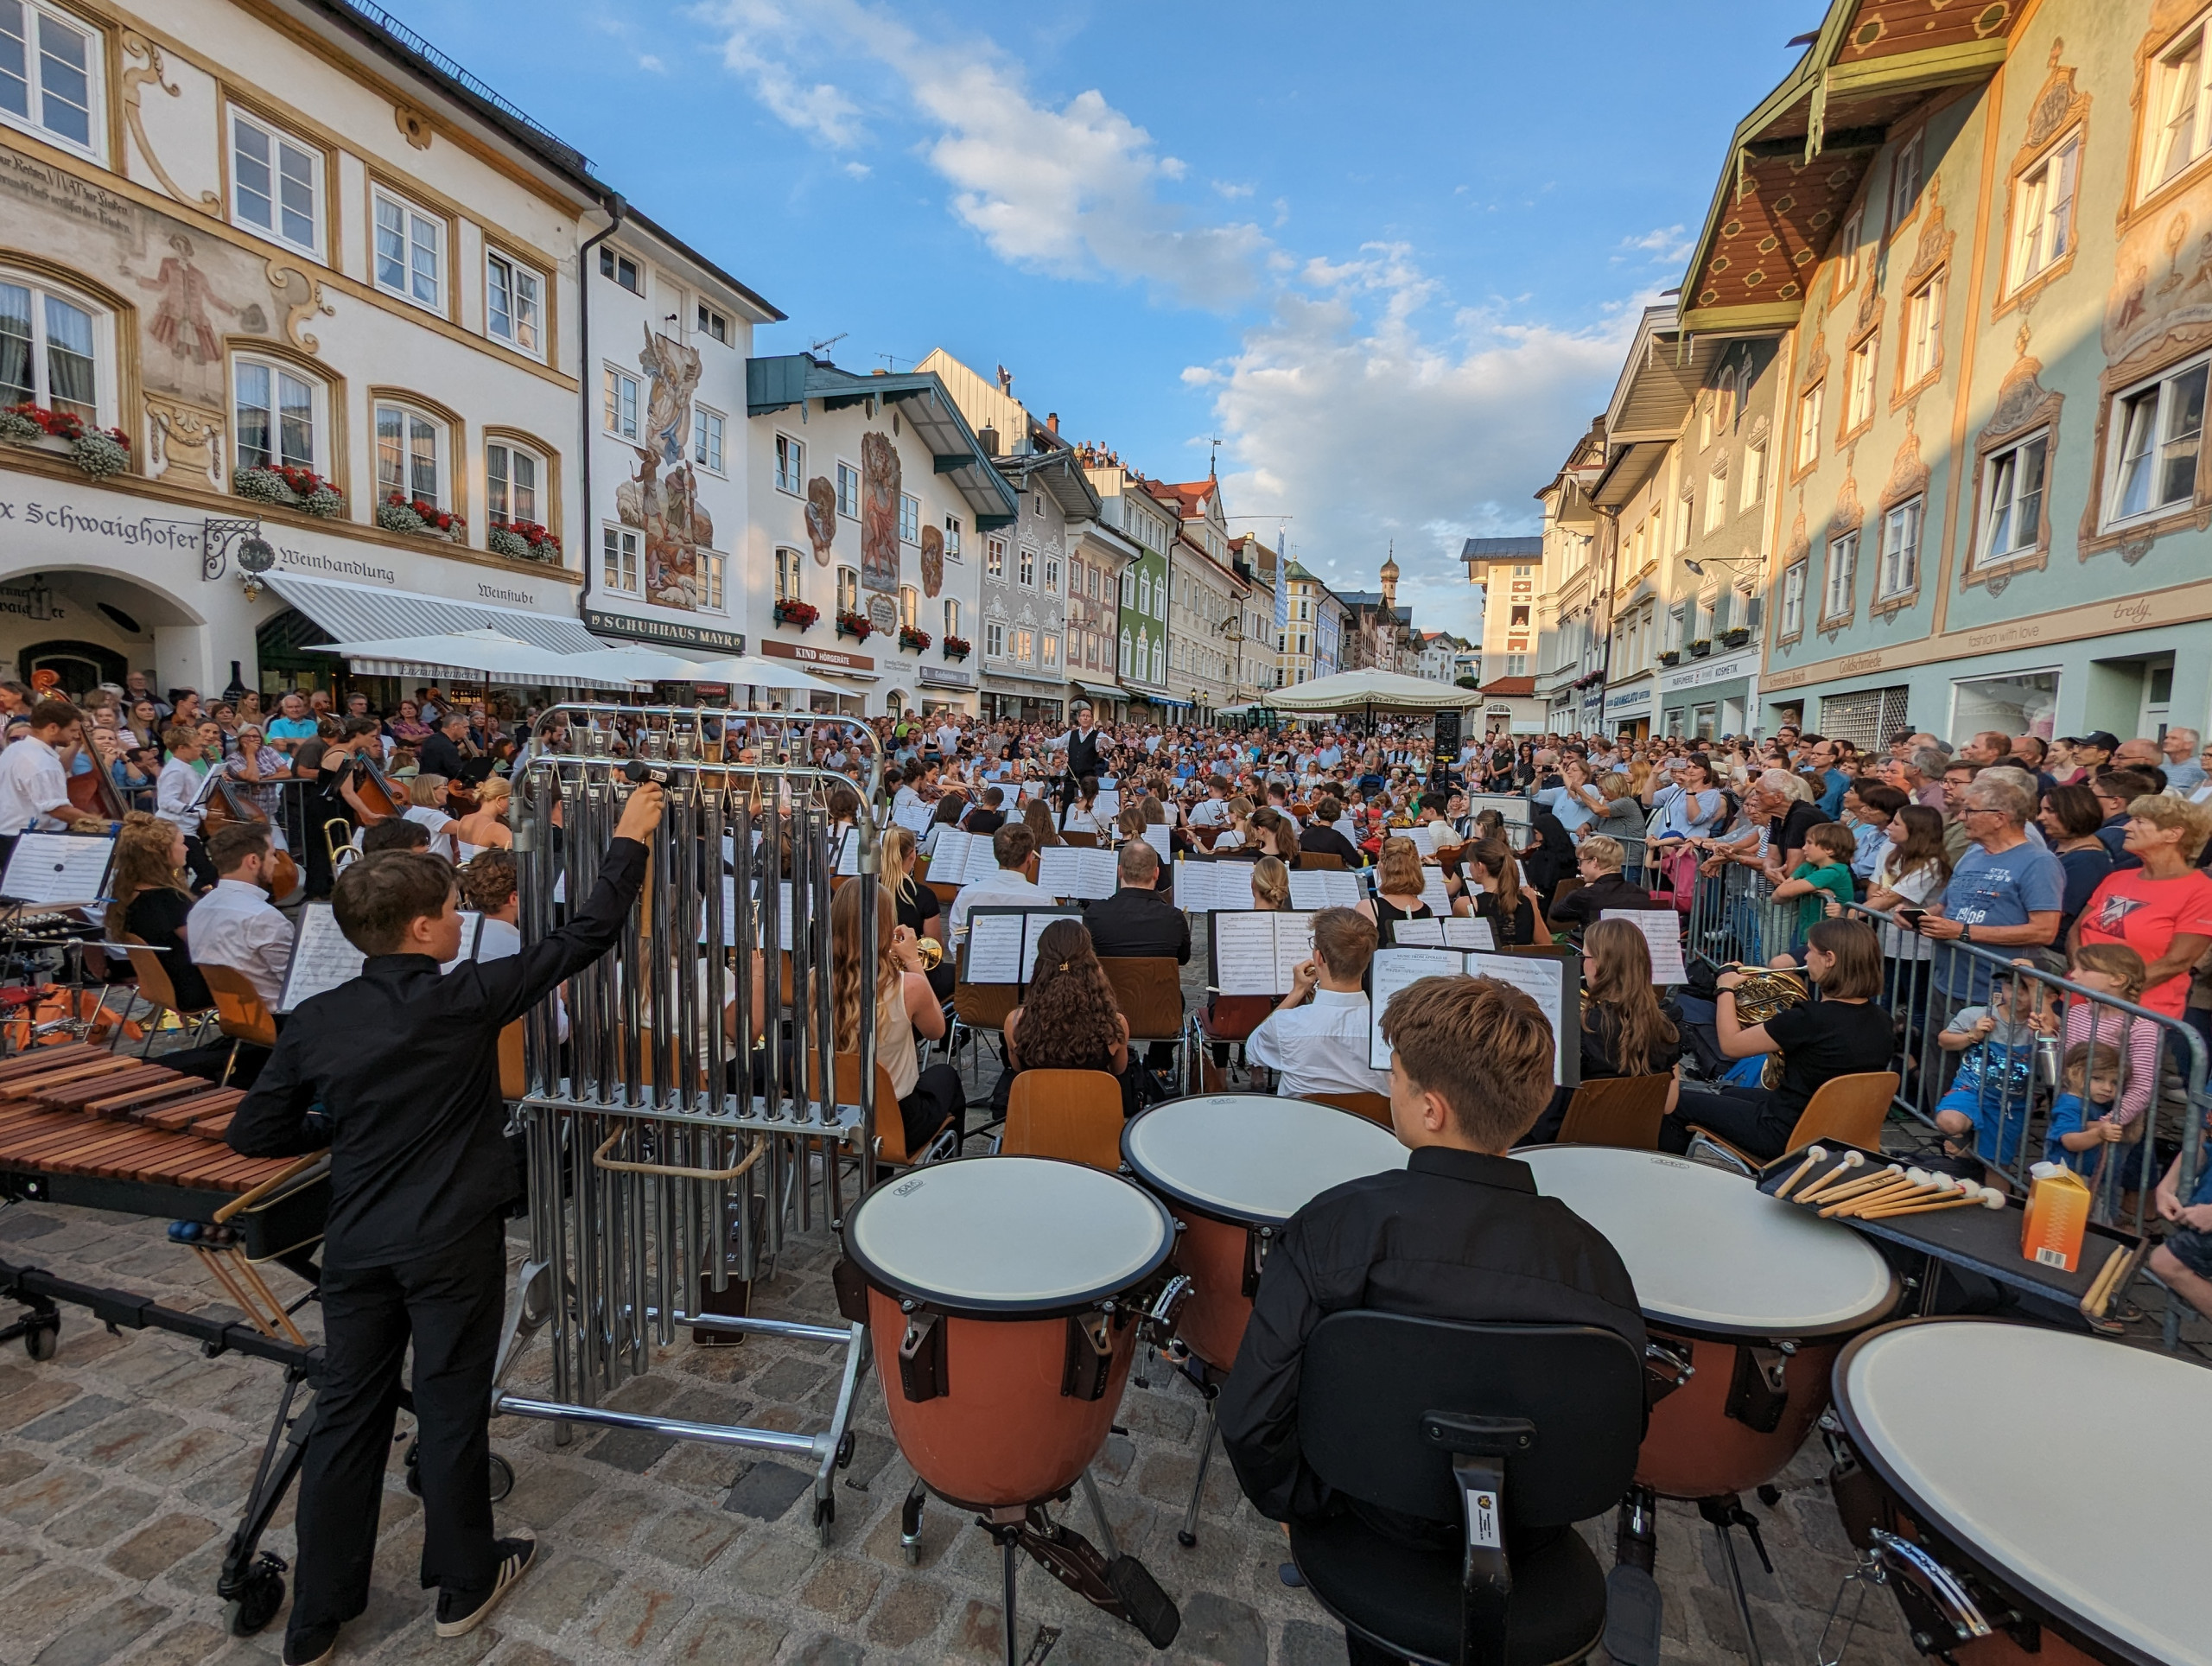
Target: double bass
225	804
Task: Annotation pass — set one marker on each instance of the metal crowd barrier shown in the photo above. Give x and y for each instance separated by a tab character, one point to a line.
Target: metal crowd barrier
1734	918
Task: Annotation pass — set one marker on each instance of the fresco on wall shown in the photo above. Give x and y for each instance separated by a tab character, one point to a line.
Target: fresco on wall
932	560
662	499
880	483
821	517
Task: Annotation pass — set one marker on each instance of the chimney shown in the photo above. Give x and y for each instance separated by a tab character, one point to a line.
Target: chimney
987	438
1052	421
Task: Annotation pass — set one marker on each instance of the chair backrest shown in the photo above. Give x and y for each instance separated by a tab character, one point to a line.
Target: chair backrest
1319	861
1368	1379
890	1126
239	1013
514	1075
1080	841
1148	989
1073	1114
1234	1017
153	977
1850	1108
984	1006
1375	1107
1618	1110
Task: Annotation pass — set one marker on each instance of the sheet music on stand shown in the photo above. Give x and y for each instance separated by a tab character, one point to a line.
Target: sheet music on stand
1208	887
729	913
848	854
1159	836
1107	805
1663	935
1066	870
1333	888
1423	834
1555	984
1391	970
953	861
1443	933
1002	946
914	817
1513	811
58	871
1255	953
1433	892
322	958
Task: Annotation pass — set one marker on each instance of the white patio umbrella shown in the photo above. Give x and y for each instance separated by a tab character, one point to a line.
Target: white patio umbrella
1374	691
487	654
633	662
764	673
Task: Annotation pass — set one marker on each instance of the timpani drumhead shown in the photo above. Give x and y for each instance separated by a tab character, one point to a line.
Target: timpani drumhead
1709	1251
2072	1468
1015	1236
1251	1157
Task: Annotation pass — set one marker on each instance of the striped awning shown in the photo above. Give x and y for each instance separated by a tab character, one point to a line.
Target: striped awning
360	613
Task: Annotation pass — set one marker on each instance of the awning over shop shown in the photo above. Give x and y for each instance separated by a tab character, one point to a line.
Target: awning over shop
1105	690
362	612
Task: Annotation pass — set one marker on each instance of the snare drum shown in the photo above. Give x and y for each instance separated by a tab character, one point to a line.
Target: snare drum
1758	1296
1233	1167
2070	1539
1002	1300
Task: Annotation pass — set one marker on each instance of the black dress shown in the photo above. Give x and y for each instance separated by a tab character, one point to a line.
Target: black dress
917	905
157	916
1516	932
1387	914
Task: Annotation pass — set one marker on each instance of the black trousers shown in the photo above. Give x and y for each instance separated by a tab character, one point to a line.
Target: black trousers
1746	1118
449	1303
196	859
937	1094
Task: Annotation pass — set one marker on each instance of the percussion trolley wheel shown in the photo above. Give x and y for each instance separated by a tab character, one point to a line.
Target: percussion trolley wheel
255	1597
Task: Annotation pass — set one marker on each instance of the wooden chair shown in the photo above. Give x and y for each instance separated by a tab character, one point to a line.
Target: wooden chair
1849	1109
890	1126
1080	841
1148	989
1320	862
1375	1107
154	986
1620	1110
514	1079
1075	1113
239	1013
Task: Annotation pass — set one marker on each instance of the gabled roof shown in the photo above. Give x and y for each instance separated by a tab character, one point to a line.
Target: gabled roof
1191	495
791	379
1795	163
1509	688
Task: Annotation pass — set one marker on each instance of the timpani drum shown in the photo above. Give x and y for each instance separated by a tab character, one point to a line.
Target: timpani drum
2036	1494
1232	1168
1758	1296
1003	1297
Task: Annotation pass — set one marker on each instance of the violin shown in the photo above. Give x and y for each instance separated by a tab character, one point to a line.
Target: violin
281	875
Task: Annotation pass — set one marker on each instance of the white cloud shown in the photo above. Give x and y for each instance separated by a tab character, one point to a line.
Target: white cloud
1231	190
753	32
1667	245
859	170
648	60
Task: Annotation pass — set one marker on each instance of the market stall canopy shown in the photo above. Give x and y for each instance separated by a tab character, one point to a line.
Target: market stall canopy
755	671
1371	691
487	654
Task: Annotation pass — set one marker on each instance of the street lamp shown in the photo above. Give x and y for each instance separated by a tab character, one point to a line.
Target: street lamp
1731	563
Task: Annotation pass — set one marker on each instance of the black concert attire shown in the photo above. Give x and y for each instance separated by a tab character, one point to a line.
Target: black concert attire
325	804
1317	840
1822	1039
983	823
1551	859
1137	923
1580	909
397	1073
916	905
156	916
1452	1235
438	755
1516	932
1085	753
1387	914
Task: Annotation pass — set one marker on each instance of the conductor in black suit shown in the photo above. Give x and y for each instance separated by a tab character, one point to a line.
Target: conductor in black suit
1084	748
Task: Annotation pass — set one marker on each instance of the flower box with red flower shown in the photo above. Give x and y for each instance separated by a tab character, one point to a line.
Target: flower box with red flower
98	451
398	514
523	541
918	642
957	647
799	615
856	626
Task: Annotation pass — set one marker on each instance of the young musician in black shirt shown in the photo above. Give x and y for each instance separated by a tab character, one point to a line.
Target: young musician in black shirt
396	1072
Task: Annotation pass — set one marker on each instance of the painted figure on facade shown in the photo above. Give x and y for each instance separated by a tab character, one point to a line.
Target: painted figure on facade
821	517
181	321
879	482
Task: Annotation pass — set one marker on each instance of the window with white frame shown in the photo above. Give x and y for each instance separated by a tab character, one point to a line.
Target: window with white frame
1899	571
1144	593
1025	646
1129	586
1754	475
50	350
409	255
952	530
1685	511
275	181
993	639
849	490
621	403
1705	421
410	454
2158	430
273	414
713	325
1706	602
1743	376
710	565
790	465
995	557
1923	331
910	518
1159	662
951	616
849	589
2178	114
514	306
50	74
1051	575
2043	211
1808	425
1905	180
1677	625
614	264
910	607
791	571
707	431
1792	599
618	565
511	484
1051	654
1129	651
1846	244
1843	571
2012	519
1859	403
1028	569
1716	499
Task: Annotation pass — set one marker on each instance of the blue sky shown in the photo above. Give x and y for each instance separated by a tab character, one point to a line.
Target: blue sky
1387	254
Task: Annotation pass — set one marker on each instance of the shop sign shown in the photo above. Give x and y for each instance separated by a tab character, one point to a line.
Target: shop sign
1702	673
806	653
1636	702
935	677
666	632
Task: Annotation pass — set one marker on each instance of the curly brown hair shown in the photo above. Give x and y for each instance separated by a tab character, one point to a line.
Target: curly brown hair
1070	1020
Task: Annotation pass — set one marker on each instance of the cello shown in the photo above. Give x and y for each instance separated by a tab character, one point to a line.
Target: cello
225	804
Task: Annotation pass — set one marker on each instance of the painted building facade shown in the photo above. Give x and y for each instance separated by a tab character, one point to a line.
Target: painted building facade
1511	574
1150	528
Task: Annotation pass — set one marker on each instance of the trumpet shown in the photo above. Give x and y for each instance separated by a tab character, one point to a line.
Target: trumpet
932	952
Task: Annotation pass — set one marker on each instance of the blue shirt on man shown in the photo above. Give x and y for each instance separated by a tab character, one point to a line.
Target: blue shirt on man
2002	889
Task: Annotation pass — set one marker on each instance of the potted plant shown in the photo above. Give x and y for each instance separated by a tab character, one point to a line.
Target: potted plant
397	513
523	541
796	614
957	647
1735	636
1671	656
1702	647
286	486
98	451
917	640
855	624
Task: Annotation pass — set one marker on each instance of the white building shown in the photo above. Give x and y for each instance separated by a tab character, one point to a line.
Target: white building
1203	599
871	496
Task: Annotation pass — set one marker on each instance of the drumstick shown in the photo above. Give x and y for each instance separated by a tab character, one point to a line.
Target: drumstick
1834	1178
1835	1194
1920	1187
1987	1196
1912	1183
1813	1155
2107	1285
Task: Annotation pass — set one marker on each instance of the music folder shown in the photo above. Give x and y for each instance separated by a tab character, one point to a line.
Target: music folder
1255	953
322	957
57	870
1002	946
1553	983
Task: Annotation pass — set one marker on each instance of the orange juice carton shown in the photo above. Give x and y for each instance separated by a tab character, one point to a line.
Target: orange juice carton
2056	1216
